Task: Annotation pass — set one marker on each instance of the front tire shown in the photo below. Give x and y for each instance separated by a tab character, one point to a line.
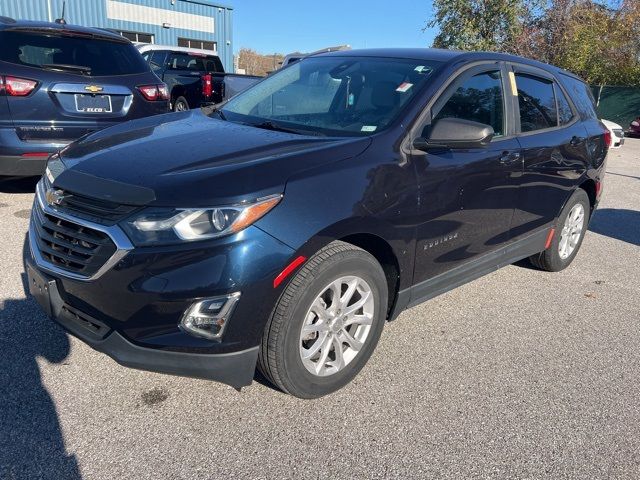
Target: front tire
327	322
570	230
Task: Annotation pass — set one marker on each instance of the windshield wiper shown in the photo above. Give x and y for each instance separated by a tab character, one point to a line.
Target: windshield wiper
63	67
220	113
269	125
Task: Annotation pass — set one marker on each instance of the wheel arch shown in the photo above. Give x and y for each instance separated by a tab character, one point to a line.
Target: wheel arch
589	186
381	250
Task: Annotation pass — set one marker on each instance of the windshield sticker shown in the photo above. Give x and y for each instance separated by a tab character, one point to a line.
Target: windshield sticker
369	128
351	100
404	87
423	69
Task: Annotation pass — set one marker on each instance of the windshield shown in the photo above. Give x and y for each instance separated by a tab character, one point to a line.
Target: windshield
333	95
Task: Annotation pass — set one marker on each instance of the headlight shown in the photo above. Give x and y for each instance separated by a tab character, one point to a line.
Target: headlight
158	226
54	167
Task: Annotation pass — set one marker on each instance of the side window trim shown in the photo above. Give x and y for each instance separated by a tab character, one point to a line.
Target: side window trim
458	79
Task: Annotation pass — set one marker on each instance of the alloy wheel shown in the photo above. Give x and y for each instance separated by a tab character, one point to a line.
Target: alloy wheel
336	326
571	231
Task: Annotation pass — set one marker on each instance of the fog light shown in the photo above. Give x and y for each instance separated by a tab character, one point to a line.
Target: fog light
208	318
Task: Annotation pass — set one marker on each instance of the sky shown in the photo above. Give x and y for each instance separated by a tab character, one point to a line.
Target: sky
286	26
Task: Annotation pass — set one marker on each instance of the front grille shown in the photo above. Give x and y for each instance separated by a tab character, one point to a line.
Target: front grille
95	210
71	246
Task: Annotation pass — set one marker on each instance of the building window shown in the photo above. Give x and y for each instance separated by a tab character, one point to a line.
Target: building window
202	44
137	36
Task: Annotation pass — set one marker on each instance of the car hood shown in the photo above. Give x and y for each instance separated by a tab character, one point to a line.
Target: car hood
189	159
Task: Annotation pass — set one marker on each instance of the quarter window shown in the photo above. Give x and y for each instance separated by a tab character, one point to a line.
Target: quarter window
537	103
564	109
479	99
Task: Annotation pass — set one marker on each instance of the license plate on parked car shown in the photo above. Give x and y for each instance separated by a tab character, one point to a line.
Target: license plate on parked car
93	103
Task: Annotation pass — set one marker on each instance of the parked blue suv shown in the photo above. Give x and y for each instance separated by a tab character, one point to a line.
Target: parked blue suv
283	229
60	82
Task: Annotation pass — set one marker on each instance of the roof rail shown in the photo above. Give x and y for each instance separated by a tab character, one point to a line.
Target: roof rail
7	20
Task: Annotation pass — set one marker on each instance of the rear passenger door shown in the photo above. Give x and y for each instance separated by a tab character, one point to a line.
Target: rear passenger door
554	148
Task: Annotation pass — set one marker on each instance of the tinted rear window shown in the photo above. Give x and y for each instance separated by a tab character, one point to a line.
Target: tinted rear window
194	63
103	57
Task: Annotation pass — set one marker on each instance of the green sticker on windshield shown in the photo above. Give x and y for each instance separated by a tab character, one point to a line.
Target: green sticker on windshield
369	128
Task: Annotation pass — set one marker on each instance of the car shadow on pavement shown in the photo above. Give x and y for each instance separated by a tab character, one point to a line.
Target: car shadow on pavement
617	223
31	441
18	184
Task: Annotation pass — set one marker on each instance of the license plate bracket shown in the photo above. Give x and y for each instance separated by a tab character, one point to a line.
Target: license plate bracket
93	103
40	287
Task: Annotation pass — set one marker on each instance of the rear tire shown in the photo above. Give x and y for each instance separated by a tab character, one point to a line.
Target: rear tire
308	364
570	229
180	104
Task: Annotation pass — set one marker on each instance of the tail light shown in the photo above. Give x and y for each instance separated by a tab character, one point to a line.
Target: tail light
17	87
207	85
154	92
607	138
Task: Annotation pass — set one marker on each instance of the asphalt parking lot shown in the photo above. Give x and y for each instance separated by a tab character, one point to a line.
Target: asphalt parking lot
521	374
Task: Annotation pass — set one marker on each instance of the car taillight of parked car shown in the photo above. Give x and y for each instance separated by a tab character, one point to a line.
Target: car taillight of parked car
154	93
607	138
16	87
207	85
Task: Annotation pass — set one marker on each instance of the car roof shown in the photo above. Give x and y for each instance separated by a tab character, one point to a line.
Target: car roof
146	47
11	24
445	56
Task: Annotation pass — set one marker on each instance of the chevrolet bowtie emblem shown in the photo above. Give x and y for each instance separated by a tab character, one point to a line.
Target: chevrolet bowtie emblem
93	88
55	197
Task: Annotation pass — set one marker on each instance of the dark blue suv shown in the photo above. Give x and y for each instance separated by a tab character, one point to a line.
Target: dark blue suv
60	82
285	227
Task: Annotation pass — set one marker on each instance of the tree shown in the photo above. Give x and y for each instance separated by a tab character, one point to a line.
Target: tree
476	24
598	40
255	63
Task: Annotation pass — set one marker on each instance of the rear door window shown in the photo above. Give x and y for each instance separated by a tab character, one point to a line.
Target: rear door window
480	99
537	103
81	54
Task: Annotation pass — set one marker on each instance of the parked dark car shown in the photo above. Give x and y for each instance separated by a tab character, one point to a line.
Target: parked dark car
634	128
284	228
195	77
59	82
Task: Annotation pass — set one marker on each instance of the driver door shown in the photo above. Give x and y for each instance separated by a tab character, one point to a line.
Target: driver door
467	196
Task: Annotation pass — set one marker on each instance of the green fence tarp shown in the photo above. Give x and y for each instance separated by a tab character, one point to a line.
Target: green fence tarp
618	104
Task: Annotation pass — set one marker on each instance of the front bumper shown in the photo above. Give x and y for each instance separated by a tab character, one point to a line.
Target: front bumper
235	369
131	309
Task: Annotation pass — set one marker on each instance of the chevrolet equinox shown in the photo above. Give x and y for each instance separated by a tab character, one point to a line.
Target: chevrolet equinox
283	228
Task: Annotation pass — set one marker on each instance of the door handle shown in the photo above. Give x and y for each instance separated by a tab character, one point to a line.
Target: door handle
509	158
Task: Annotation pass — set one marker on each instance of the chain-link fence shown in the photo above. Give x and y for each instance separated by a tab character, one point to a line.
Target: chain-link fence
618	104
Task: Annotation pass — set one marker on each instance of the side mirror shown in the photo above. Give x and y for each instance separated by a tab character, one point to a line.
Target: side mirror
456	133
